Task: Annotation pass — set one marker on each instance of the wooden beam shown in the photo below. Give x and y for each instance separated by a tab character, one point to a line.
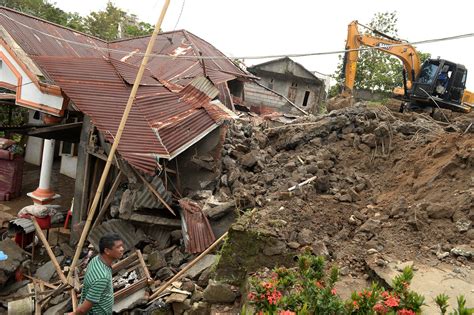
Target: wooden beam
142	262
157	293
151	219
46	284
108	200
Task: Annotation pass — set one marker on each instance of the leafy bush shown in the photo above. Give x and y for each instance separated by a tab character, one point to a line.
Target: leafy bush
308	289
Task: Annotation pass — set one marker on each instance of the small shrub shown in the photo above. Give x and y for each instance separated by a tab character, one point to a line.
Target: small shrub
309	289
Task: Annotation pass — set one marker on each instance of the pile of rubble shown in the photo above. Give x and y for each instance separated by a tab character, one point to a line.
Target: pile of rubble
363	182
360	186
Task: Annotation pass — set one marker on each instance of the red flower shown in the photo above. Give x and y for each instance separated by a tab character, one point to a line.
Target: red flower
333	292
385	294
286	313
380	309
405	312
392	301
319	285
355	305
251	296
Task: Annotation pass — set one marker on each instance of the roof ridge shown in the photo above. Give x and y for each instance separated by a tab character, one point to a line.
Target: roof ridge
143	36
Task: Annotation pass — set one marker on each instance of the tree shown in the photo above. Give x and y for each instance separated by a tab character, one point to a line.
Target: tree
110	24
114	23
377	70
39	8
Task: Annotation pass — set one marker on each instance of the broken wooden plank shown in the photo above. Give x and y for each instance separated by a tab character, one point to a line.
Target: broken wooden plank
145	269
154	220
124	262
157	293
46	284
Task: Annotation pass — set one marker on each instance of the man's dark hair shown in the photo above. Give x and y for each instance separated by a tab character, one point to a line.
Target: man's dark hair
108	241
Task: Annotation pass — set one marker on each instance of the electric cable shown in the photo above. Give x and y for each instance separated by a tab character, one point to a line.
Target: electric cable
180	13
198	57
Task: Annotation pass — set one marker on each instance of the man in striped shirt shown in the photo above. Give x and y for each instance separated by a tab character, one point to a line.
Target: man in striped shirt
97	292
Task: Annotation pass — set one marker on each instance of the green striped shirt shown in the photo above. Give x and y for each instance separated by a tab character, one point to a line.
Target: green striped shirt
98	287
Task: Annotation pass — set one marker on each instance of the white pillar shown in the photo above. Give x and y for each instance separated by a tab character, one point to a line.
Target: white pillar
44	194
47	164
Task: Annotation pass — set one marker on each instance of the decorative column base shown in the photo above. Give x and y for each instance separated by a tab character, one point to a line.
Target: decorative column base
43	196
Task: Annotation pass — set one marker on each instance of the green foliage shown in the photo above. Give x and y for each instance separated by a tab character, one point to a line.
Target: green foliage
103	24
309	289
462	309
377	70
442	302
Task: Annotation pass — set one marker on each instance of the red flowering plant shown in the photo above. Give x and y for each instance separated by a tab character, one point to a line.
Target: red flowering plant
400	300
366	302
265	295
302	290
309	289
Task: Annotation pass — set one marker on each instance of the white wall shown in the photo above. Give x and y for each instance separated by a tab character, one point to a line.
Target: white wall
34	145
68	166
34	150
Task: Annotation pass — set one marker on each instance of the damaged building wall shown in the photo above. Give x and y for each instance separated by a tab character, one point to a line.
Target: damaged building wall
197	165
290	81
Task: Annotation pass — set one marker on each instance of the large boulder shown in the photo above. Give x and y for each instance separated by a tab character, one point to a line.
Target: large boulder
217	292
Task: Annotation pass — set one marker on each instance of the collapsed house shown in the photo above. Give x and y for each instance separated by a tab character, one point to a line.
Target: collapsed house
75	88
285	86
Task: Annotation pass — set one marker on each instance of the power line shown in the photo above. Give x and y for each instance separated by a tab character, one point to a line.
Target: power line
180	13
294	55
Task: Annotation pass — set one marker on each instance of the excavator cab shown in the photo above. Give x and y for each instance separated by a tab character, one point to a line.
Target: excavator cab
440	83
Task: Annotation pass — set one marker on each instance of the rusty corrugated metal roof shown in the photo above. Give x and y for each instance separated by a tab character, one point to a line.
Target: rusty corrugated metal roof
199	232
180	43
38	37
29	33
162	123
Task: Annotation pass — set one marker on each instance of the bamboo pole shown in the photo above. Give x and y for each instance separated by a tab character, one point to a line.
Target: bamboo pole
126	112
157	195
108	200
48	250
157	293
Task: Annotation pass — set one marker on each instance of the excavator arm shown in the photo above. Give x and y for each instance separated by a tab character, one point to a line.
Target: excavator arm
405	52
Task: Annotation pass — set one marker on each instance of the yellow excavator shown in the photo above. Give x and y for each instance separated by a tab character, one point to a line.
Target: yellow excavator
437	83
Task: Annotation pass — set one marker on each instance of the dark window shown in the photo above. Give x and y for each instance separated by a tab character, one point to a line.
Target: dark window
306	98
428	73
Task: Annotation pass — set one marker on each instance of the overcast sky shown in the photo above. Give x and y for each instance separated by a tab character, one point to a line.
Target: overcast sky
271	27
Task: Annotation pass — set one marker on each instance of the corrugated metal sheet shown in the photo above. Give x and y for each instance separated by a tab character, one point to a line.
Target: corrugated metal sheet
181	43
161	123
126	230
198	230
29	32
145	199
38	37
21	225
